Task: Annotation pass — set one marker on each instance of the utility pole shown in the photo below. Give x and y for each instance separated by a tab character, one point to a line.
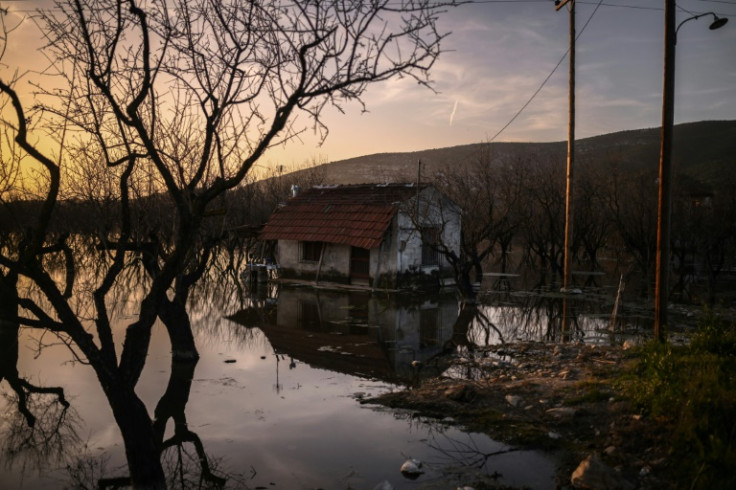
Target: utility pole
566	274
665	174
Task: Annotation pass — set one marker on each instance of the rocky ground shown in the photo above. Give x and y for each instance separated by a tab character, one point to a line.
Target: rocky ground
557	397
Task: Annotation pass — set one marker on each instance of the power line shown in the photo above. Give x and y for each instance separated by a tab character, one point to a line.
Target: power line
544	82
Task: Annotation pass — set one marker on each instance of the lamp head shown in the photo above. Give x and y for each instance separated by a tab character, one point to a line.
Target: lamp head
718	22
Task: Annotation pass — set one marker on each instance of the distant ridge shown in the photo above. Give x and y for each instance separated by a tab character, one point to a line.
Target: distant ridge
702	150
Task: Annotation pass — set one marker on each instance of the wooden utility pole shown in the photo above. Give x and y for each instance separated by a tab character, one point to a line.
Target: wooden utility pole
566	274
665	174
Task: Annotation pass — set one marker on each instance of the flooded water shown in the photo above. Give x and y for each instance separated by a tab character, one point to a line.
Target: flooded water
274	401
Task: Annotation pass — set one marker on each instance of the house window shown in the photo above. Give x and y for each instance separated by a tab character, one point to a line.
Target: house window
430	245
310	251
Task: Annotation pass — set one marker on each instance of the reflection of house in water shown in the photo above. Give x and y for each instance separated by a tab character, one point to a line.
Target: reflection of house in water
357	333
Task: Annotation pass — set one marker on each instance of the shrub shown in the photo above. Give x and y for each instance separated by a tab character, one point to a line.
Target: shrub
693	388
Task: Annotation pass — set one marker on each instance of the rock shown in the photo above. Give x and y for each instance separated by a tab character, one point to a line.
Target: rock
513	400
412	468
461	393
628	344
592	473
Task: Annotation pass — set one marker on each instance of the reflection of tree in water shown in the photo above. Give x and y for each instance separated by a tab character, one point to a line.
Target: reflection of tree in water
183	455
185	468
43	428
458	459
465	451
520	317
219	293
534	316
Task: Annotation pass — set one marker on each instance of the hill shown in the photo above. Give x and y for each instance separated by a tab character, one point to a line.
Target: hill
702	150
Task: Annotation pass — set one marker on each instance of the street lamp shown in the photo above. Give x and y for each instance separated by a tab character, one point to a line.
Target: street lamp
665	162
717	23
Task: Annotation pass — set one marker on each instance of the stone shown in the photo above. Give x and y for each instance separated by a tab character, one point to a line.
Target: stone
513	400
412	468
592	473
628	344
562	412
461	393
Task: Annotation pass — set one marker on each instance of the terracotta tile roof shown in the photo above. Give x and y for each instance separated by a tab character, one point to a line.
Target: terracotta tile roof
356	215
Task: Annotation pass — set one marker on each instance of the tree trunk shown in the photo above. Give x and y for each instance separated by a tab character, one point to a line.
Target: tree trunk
468	313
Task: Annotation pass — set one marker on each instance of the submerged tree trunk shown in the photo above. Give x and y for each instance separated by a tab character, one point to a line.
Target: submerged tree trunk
174	316
461	327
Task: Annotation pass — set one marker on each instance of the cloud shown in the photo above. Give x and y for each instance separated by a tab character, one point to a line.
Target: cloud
452	114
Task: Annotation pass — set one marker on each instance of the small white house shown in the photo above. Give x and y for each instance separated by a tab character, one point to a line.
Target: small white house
393	236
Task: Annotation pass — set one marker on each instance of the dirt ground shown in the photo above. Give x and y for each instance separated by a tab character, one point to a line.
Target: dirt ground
561	398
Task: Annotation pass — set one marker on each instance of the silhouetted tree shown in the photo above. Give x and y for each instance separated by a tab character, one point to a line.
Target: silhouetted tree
176	100
633	205
544	193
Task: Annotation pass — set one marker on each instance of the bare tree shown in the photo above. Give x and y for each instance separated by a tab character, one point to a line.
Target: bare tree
703	235
489	194
545	205
180	99
633	204
593	221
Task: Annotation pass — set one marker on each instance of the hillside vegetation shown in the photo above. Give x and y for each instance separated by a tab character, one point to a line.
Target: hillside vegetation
702	150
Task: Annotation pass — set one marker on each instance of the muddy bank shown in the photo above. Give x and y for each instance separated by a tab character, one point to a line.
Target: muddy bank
560	398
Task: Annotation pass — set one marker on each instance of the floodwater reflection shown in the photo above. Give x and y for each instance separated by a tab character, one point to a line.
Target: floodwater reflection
356	333
272	400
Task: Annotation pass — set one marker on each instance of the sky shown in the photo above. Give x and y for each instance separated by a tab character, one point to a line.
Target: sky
498	55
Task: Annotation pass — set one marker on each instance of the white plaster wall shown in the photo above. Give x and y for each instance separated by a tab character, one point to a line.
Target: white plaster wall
336	258
446	215
387	253
288	253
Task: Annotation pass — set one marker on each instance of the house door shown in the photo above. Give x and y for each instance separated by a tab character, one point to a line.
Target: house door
360	261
